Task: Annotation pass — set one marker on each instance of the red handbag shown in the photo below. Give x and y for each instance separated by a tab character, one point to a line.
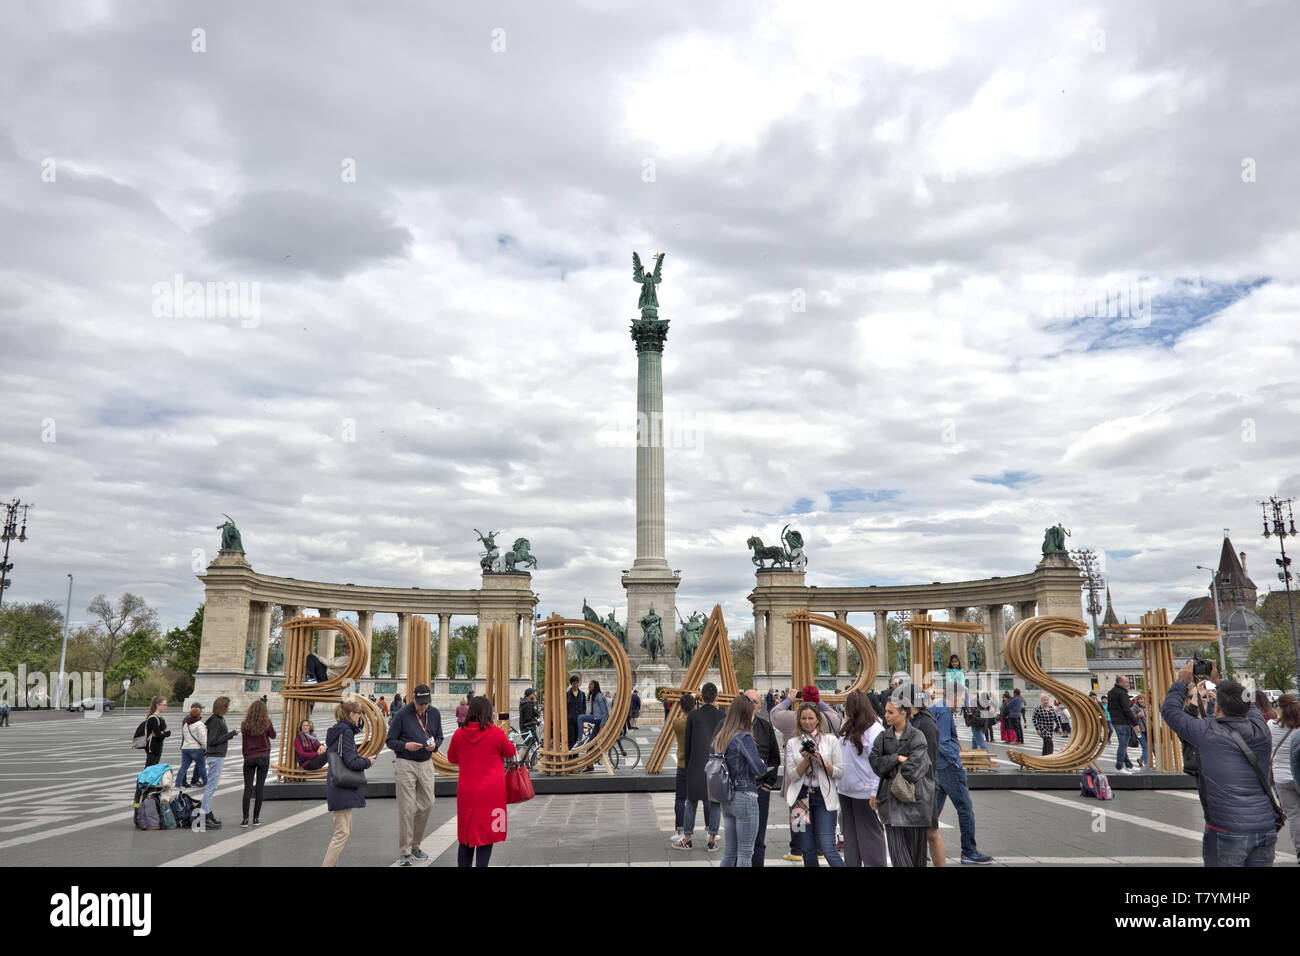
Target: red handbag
519	783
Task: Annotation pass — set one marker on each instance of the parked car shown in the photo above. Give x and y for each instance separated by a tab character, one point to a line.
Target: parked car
92	703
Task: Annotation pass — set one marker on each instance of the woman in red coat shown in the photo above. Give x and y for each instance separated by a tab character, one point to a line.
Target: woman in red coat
479	748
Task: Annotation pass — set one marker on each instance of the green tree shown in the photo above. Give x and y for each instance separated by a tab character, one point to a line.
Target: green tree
1272	658
30	634
140	655
130	615
182	644
463	640
383	639
742	656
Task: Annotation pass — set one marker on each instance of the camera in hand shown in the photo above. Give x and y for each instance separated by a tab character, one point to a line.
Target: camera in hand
808	746
1201	668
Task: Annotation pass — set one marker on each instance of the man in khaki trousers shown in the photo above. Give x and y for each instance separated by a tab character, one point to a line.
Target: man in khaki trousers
414	736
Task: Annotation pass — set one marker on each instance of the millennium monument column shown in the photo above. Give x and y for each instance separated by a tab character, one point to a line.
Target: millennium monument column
650	583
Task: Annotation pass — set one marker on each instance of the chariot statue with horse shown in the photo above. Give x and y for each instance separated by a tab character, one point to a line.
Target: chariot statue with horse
789	556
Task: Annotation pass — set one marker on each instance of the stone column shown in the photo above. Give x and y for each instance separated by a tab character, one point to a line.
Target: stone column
325	639
366	625
514	646
263	636
650	582
760	644
480	663
444	641
841	648
957	642
526	647
403	646
996	641
884	666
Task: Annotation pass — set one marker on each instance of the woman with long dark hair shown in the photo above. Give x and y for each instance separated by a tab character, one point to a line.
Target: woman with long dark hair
258	733
219	738
155	732
864	837
478	749
735	741
685	705
900	749
598	710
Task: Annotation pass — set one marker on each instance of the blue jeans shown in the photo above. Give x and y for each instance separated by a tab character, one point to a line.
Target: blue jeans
951	782
977	738
1144	761
821	835
740	817
1122	732
588	719
679	799
712	817
214	778
1238	849
197	758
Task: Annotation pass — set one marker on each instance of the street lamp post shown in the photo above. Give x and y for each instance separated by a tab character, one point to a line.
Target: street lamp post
1214	596
1086	558
11	533
63	654
1280	529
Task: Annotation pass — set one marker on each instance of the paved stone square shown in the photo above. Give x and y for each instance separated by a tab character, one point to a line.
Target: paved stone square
66	784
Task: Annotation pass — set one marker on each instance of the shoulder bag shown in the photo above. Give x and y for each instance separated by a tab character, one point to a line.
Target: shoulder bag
519	783
1279	815
900	788
343	776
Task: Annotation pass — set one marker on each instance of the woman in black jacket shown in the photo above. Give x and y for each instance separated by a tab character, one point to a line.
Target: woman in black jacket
155	731
219	737
341	739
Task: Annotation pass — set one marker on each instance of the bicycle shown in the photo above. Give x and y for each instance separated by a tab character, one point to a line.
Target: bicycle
625	751
528	745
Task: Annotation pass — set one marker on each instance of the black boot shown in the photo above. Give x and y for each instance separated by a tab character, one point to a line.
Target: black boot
210	822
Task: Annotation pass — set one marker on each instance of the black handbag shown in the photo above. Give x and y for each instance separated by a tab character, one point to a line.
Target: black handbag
343	776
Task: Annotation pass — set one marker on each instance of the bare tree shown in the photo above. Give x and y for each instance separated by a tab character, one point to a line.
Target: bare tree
114	624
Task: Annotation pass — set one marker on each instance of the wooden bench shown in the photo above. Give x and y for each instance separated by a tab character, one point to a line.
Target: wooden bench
977	760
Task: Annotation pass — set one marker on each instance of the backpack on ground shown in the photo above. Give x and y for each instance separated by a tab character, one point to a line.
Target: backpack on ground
165	812
148	812
184	807
1088	783
1103	788
721	788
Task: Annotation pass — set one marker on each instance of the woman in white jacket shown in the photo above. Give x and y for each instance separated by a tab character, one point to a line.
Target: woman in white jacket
864	837
813	762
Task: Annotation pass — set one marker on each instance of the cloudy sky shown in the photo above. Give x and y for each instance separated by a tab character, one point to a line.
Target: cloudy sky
939	275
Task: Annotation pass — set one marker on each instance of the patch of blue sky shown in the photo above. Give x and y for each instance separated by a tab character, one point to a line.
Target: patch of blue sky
1099	318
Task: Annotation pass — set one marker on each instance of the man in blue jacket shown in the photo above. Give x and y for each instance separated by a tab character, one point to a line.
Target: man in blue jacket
1240	822
950	779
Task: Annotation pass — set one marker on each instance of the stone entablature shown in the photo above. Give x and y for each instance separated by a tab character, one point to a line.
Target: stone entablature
1052	589
237	614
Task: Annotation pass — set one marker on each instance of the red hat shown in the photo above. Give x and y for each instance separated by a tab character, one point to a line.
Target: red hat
811	695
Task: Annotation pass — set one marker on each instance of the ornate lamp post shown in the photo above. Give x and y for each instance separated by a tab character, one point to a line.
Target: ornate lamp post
11	533
1280	529
1086	559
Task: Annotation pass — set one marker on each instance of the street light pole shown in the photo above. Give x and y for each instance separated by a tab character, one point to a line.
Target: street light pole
11	533
1086	558
1214	596
1280	529
63	654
